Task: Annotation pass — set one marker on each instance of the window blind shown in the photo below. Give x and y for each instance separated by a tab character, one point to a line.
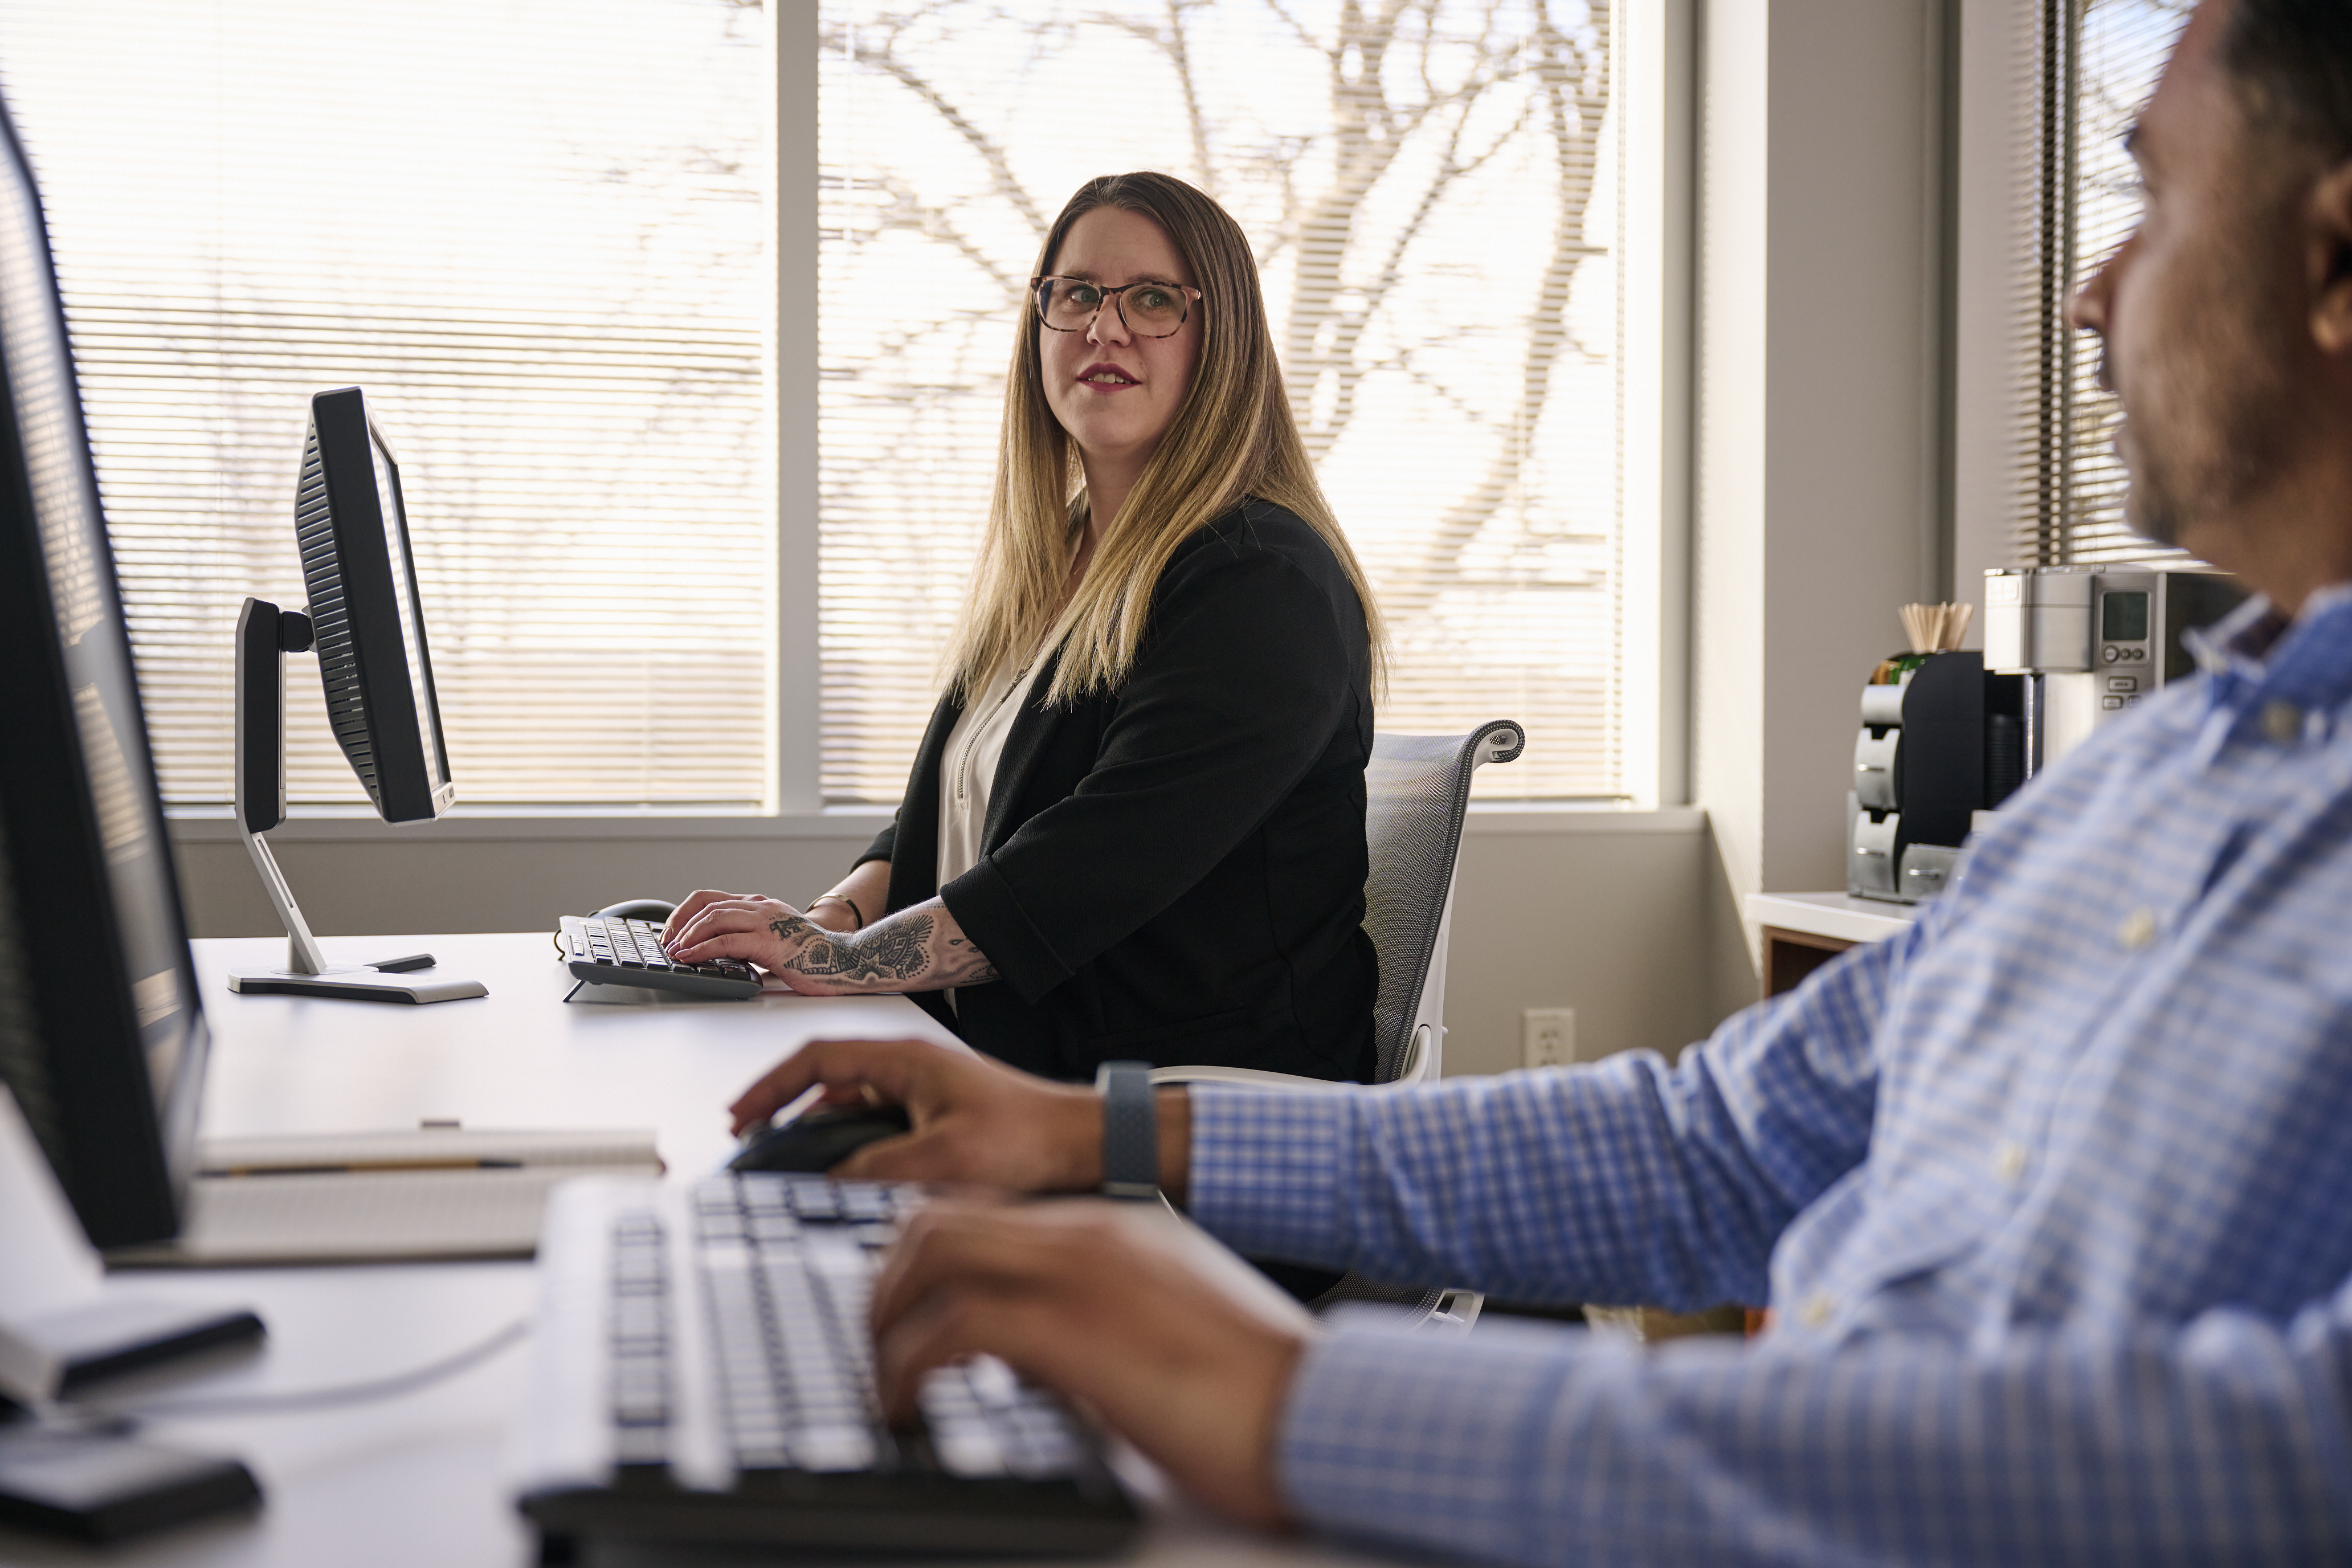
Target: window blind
1432	190
2098	62
533	231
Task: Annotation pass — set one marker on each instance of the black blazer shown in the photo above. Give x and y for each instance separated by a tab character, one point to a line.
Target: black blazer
1174	871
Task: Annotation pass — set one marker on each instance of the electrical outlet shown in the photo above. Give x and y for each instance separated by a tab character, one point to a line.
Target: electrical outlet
1547	1036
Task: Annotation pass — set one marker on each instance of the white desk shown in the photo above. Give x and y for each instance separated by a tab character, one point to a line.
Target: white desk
1840	917
417	1481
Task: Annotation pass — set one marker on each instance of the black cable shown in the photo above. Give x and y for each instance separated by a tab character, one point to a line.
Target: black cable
317	1398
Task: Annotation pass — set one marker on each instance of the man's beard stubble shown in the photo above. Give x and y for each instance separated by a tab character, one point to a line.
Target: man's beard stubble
2219	405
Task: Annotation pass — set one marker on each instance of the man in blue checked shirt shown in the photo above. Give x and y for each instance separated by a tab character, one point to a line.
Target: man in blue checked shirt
2052	1197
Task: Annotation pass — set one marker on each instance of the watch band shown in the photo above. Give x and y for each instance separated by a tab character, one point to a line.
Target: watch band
1130	1155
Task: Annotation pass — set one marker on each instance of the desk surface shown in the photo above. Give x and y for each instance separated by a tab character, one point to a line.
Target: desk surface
1839	915
520	1057
419	1479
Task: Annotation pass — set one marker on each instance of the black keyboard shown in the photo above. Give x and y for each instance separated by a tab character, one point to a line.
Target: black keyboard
629	952
735	1373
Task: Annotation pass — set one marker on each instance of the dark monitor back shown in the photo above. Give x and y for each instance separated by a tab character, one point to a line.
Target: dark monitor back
103	1039
350	524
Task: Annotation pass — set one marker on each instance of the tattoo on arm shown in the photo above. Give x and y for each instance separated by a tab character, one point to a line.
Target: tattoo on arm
893	951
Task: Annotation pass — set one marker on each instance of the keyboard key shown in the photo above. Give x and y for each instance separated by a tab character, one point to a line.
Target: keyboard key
966	1448
833	1447
993	1383
816	1200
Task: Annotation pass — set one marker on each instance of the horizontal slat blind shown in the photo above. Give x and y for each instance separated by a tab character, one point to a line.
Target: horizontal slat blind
532	230
1432	190
2100	61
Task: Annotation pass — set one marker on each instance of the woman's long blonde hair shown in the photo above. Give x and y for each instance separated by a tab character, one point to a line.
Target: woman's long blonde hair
1233	438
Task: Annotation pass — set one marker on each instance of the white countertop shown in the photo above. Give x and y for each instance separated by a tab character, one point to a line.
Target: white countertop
1839	915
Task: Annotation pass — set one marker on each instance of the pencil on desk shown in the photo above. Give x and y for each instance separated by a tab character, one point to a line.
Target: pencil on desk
355	1167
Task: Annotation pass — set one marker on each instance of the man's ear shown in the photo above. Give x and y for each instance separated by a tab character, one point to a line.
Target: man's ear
2330	215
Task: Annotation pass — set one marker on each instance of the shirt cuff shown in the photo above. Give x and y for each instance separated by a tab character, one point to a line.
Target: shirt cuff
1412	1436
990	912
1267	1172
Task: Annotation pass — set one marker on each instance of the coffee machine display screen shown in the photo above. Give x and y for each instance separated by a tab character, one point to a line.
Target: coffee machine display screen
2122	617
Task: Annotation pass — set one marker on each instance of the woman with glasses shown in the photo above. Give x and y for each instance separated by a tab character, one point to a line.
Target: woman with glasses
1135	828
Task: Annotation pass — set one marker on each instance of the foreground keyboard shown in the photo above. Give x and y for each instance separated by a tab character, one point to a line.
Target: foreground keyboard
629	952
704	1374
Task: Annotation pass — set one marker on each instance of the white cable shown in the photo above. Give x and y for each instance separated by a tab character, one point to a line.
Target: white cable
318	1398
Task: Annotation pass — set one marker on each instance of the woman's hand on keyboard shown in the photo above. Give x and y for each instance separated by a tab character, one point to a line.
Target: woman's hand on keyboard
976	1122
1074	1301
919	949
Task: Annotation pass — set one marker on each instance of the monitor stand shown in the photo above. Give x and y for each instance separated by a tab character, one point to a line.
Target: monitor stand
306	971
265	635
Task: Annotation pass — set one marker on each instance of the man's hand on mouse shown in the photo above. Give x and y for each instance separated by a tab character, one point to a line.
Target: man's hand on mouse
976	1122
1068	1298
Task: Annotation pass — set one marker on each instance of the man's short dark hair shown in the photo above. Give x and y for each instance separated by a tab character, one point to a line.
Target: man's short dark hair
2294	61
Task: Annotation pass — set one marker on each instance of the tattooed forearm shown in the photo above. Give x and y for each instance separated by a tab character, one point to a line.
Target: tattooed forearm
883	950
912	950
893	950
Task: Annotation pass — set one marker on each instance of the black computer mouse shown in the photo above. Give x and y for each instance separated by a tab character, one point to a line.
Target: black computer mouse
653	911
819	1139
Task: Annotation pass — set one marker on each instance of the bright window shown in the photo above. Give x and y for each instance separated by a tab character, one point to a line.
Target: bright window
2098	61
533	230
538	232
1433	191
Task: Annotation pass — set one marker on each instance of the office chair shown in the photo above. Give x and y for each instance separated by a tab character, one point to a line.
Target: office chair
1417	790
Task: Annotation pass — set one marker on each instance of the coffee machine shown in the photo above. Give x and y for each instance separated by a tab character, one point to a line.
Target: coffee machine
2089	642
1941	740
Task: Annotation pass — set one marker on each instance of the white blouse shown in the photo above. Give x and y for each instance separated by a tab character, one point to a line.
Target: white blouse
968	769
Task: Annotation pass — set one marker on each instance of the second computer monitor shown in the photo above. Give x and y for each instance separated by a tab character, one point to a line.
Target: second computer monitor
103	1041
352	527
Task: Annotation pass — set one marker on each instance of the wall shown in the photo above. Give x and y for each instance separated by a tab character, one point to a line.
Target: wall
1996	338
1820	411
1632	926
1619	915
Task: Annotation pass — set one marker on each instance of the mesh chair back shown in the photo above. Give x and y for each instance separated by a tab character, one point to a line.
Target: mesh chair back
1417	788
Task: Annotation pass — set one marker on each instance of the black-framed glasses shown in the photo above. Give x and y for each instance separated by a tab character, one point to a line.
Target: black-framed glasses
1150	310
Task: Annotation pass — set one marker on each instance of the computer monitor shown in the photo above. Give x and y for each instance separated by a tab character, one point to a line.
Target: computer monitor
350	524
103	1039
366	622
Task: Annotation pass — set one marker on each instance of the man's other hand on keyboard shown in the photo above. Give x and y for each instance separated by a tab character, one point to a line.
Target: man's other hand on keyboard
976	1121
1071	1300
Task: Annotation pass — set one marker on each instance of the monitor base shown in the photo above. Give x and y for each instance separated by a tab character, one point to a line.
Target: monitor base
351	982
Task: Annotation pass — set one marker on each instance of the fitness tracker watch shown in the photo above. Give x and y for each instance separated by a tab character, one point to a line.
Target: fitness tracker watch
1130	1154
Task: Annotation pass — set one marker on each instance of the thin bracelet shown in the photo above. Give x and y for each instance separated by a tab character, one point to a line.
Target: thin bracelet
855	912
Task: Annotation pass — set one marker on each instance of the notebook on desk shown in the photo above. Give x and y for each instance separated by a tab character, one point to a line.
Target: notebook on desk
383	1197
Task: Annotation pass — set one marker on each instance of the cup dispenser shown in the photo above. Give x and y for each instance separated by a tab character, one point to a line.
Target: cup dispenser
1941	742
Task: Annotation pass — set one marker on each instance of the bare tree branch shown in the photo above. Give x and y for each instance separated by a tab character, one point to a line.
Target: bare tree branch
1000	168
1576	92
1171	41
908	212
1369	133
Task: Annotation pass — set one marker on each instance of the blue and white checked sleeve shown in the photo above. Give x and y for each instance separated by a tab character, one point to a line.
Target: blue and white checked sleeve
2088	1301
2220	1441
1623	1181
